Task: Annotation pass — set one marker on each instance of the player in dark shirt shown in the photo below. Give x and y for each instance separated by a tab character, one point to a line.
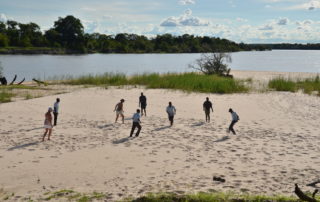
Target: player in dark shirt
143	104
207	105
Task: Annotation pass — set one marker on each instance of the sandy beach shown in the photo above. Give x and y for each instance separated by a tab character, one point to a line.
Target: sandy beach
277	144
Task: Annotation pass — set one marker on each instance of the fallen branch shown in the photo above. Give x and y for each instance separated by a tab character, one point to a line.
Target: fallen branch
14	79
302	196
313	184
40	82
21	81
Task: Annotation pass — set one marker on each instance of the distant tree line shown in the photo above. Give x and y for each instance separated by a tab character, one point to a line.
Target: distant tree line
286	46
68	33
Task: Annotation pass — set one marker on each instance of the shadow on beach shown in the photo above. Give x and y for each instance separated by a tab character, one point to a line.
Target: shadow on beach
105	126
225	138
162	128
198	124
120	141
23	146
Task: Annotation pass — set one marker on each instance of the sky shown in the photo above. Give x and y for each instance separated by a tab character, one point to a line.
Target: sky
248	21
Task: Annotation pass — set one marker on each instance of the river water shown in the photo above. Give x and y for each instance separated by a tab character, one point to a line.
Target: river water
49	66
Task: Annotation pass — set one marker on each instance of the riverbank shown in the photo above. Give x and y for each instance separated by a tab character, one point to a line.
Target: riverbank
276	145
37	51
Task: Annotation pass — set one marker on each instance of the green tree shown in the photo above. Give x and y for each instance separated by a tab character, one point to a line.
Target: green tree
70	32
4	41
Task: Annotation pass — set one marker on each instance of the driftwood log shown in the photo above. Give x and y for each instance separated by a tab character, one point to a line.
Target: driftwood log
21	81
302	196
14	79
39	82
313	184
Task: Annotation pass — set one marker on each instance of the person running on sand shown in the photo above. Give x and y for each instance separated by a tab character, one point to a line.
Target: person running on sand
136	123
56	111
143	104
207	105
235	119
48	124
119	110
171	110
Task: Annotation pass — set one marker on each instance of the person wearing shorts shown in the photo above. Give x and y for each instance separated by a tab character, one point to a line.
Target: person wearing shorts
119	110
171	111
48	124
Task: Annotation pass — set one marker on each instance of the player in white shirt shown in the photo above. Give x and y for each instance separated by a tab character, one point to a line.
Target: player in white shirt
235	119
136	123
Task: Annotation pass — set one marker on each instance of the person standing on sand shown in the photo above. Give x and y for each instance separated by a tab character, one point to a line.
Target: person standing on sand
171	111
207	105
56	111
48	124
143	104
136	123
119	110
235	119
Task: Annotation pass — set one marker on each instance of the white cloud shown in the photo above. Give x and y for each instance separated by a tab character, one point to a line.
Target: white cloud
3	18
266	28
184	20
283	21
241	20
310	5
186	2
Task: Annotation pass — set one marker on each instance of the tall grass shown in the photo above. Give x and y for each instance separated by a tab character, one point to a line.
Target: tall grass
308	85
5	96
191	82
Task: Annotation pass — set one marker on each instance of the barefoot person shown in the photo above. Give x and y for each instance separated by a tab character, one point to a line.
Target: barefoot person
48	124
56	111
136	123
171	111
119	110
143	104
207	105
235	119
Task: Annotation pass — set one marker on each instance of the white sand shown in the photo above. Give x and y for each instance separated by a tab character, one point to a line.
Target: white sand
277	144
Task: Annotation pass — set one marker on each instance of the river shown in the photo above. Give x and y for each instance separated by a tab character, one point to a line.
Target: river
49	66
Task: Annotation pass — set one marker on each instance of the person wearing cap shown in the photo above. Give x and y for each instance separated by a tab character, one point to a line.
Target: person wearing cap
48	124
119	110
207	105
235	119
56	111
171	111
136	123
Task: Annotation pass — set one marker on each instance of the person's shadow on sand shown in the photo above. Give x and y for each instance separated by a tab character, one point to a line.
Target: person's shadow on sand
105	126
162	128
23	146
198	124
225	138
120	141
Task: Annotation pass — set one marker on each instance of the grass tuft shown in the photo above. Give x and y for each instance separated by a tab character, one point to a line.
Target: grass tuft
5	96
308	86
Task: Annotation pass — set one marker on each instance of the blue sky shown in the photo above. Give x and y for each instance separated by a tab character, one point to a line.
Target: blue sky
249	21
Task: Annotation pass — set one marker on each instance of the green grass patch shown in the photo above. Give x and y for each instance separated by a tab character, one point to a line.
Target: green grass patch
211	197
191	82
70	195
309	85
5	96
